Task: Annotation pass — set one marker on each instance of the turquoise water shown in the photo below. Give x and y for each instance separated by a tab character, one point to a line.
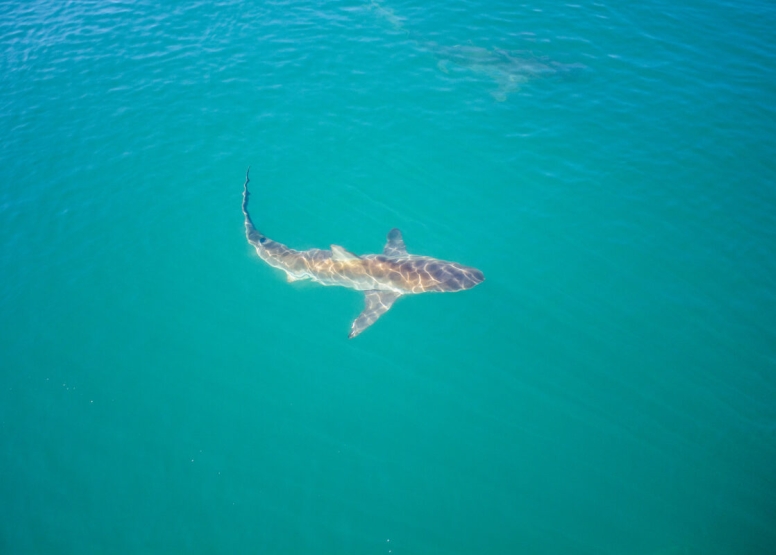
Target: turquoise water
609	389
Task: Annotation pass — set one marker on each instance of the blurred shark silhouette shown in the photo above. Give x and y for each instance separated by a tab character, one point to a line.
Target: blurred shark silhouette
509	69
382	277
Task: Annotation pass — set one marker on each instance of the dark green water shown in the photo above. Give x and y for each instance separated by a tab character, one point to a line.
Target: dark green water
609	389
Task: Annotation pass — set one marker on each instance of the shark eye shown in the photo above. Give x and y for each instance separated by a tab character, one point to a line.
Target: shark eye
263	239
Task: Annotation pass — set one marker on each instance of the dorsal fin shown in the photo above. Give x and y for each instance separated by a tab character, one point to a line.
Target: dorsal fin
340	254
395	244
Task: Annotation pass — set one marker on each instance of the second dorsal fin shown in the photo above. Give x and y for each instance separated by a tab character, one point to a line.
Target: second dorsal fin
340	254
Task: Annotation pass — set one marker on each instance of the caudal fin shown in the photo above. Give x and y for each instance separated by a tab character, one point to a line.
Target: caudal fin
254	237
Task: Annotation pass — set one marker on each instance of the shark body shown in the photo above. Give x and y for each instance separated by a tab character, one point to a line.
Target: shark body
508	69
382	277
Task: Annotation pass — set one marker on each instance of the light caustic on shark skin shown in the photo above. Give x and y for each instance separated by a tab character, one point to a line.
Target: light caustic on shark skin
508	69
382	277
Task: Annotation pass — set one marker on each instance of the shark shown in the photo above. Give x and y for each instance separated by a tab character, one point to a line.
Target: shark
383	278
507	68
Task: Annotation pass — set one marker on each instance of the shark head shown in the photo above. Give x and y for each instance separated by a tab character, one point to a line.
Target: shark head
423	274
463	277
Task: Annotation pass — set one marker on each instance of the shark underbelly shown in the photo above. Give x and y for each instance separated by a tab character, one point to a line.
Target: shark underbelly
361	283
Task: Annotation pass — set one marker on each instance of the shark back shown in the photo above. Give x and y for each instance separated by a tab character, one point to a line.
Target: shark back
422	274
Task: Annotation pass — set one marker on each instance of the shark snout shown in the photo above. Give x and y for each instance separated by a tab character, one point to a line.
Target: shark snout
473	277
463	277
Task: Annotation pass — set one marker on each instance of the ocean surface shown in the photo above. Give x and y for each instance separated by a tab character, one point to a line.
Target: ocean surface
609	389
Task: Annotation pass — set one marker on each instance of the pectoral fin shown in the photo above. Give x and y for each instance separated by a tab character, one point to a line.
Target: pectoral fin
377	303
395	244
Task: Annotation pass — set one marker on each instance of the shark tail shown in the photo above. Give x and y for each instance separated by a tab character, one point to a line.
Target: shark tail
253	235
